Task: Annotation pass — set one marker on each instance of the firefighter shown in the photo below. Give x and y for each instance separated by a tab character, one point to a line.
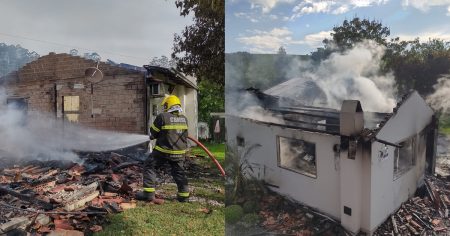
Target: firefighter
170	131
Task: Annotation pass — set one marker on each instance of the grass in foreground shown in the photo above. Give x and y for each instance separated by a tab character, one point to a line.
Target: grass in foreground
444	124
171	218
218	150
174	218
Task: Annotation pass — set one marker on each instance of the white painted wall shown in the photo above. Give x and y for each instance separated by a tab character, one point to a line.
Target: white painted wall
412	116
388	194
365	184
322	192
355	185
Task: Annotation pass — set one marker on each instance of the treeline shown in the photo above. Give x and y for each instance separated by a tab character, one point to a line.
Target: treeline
415	64
244	70
13	57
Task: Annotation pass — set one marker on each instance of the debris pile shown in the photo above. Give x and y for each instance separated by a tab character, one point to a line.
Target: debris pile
287	217
66	197
425	214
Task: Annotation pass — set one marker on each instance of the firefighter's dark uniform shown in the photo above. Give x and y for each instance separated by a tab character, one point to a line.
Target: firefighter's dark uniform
170	131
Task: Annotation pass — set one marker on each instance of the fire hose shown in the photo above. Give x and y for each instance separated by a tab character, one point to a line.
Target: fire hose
222	171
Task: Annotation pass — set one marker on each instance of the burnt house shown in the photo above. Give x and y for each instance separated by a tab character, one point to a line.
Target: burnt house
125	99
356	167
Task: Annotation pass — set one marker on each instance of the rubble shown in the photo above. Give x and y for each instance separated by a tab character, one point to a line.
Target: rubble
79	196
283	216
424	214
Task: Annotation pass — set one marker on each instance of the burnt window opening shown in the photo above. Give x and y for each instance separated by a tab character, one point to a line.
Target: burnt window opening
240	141
298	156
17	103
155	89
404	157
21	105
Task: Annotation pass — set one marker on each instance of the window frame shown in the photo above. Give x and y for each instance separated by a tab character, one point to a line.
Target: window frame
304	173
399	173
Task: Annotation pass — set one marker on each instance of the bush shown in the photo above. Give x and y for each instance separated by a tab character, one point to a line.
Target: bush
250	207
250	219
233	213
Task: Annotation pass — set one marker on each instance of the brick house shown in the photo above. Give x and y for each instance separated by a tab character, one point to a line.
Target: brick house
124	100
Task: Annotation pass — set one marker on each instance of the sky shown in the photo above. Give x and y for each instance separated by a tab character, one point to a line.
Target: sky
130	32
263	26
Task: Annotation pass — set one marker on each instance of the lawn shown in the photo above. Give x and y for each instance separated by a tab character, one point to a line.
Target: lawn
205	216
444	124
218	150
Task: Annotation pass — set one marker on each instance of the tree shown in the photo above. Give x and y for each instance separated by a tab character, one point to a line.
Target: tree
163	61
348	34
211	99
73	52
357	30
13	57
282	51
93	56
200	48
417	65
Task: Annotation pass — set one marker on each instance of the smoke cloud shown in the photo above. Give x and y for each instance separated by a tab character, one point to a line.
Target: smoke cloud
39	136
439	99
352	74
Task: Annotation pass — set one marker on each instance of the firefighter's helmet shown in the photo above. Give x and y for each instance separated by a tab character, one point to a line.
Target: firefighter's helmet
170	101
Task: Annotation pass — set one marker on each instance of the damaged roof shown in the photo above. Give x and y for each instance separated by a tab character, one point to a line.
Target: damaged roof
312	118
173	74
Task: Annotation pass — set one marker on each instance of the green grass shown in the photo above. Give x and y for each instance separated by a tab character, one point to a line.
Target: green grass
171	218
174	218
218	150
444	124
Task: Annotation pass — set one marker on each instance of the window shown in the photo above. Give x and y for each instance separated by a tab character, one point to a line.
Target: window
21	105
404	157
71	108
155	89
17	103
297	155
240	141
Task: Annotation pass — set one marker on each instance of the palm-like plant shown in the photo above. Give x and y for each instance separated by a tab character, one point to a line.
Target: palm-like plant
240	183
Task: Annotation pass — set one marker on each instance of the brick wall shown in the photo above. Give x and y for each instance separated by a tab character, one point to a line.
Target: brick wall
118	101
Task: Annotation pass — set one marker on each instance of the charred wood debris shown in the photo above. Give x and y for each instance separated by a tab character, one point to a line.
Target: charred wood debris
68	198
427	213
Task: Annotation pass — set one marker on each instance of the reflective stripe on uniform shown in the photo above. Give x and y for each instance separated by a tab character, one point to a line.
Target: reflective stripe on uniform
181	194
174	127
154	128
149	190
175	152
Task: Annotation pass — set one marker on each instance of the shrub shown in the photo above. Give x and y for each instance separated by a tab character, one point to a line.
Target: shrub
233	213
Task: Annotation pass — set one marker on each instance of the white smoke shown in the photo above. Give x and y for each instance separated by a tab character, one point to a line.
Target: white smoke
353	74
38	136
439	99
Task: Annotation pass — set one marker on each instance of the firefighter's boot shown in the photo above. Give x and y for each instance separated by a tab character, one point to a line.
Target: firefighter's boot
145	196
183	196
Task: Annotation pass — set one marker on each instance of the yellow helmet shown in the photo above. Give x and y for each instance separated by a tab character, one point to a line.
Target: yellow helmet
170	101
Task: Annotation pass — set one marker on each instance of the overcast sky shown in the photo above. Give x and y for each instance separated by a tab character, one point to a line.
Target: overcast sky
131	31
262	26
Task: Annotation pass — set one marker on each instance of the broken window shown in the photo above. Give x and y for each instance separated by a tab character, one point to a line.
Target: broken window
404	157
297	155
